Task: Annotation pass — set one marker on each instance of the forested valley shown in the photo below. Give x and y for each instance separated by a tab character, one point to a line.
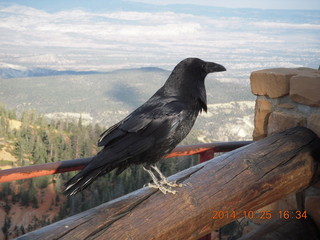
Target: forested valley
29	138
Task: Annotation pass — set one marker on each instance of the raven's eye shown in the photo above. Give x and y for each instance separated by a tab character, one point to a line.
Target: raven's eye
203	66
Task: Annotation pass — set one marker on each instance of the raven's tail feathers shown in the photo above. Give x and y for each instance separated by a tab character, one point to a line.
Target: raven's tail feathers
81	181
98	166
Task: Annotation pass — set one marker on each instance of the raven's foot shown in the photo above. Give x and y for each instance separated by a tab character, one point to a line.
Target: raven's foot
163	184
165	180
162	188
170	184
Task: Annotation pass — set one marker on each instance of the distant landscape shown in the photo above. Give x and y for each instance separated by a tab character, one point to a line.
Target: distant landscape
109	97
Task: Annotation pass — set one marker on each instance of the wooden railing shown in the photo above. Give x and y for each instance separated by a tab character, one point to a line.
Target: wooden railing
231	185
204	151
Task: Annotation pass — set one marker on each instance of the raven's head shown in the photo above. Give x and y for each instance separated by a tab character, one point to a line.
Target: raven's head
191	70
199	67
187	79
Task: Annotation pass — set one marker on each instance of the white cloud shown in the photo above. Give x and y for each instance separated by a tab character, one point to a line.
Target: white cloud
276	25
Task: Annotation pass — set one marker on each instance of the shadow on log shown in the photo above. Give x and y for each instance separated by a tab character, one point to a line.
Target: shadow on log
245	179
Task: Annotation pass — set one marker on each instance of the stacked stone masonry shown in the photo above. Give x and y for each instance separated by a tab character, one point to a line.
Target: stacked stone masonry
286	98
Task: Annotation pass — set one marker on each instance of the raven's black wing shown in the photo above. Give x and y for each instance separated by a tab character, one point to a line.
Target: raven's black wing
150	124
138	133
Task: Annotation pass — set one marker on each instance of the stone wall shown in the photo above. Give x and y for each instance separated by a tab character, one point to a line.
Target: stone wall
287	98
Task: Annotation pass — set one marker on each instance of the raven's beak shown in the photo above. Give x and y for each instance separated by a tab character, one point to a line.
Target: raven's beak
214	67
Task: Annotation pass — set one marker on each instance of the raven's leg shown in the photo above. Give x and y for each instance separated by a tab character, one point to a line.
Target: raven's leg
158	184
154	178
164	179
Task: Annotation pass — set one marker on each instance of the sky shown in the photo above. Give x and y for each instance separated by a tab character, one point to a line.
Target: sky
263	4
270	4
76	35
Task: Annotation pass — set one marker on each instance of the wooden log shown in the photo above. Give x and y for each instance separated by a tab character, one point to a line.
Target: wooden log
231	185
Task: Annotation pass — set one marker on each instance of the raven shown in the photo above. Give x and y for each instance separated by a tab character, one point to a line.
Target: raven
152	130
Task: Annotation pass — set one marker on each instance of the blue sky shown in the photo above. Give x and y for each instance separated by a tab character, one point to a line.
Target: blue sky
97	4
270	4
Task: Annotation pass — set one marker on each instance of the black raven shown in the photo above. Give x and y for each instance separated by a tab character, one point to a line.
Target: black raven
153	129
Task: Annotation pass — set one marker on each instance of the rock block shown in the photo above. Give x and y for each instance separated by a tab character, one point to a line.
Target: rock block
286	106
312	208
305	89
313	122
272	82
279	121
262	113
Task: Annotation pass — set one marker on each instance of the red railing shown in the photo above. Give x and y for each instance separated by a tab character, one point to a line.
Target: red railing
206	151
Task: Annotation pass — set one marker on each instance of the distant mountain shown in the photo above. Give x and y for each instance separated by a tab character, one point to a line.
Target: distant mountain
42	72
142	69
38	72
